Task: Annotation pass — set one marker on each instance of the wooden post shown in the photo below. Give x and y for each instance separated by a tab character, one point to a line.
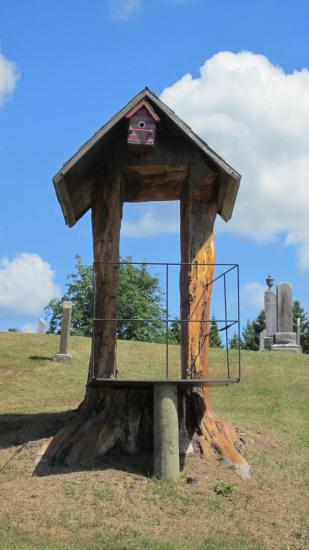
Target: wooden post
197	219
106	220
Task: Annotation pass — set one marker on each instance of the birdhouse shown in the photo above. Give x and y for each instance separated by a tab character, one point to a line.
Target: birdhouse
142	124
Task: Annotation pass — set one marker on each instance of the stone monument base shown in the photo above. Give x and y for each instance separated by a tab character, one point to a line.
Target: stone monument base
62	357
286	347
268	341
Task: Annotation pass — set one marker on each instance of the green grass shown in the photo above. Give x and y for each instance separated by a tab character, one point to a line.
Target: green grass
115	508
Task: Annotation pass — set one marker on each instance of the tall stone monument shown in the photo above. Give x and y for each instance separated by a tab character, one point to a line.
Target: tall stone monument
63	354
279	335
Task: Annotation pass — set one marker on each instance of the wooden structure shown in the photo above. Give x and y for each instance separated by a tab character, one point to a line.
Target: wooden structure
123	163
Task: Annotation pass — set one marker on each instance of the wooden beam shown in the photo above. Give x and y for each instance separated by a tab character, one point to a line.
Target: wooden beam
197	247
164	185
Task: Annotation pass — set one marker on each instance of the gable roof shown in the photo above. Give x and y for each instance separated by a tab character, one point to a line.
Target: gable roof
230	178
147	106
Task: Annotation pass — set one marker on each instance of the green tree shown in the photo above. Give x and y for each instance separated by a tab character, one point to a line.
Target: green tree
174	333
251	333
139	298
214	336
235	342
299	312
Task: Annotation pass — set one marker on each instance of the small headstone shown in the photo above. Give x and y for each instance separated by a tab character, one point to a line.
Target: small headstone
268	342
298	331
41	326
262	336
63	354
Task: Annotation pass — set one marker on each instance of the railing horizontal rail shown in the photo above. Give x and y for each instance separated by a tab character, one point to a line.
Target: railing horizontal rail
227	323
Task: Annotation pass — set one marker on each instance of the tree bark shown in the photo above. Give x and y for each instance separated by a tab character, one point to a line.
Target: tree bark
197	220
106	220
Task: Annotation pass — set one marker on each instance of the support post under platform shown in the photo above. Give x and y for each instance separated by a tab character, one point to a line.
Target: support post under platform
166	432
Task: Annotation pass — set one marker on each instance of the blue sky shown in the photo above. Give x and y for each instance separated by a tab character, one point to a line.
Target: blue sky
67	67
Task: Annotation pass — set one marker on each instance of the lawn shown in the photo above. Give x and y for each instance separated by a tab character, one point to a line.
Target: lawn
112	505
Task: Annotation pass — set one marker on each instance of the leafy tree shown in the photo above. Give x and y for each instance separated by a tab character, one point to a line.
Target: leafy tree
139	297
299	312
251	333
214	336
235	342
174	333
80	292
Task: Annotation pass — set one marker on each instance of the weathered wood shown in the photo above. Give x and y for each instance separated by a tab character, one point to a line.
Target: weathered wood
106	220
157	187
197	247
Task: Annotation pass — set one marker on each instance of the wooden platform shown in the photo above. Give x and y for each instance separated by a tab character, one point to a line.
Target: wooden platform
181	383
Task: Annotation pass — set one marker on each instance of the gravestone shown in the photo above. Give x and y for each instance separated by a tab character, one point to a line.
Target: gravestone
284	337
278	335
41	326
270	304
298	331
262	336
285	307
63	354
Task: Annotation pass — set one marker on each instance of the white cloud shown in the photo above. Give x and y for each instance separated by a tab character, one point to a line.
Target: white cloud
8	78
257	117
123	9
163	218
26	284
252	294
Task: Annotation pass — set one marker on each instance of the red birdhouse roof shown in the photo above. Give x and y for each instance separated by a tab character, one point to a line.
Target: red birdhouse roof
147	106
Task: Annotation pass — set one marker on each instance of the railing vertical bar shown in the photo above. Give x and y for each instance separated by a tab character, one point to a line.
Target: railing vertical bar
238	315
166	321
226	330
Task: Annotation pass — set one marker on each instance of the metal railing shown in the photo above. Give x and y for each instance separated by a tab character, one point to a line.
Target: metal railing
225	324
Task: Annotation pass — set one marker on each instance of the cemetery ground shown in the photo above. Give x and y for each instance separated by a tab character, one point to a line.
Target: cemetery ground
115	504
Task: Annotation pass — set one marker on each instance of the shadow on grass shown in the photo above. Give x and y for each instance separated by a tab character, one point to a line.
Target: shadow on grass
141	465
40	358
17	429
20	429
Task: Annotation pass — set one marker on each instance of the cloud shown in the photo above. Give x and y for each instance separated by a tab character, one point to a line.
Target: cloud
123	9
257	117
301	241
26	284
163	218
252	294
8	78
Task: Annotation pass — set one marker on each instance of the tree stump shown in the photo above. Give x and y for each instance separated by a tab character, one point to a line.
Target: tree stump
118	420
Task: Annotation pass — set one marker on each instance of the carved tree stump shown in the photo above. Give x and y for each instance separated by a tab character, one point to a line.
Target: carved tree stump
121	420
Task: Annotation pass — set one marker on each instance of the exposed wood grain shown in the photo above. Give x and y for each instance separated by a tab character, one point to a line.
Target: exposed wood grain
197	247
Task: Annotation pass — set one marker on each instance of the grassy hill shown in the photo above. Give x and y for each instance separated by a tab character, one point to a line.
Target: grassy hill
112	505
